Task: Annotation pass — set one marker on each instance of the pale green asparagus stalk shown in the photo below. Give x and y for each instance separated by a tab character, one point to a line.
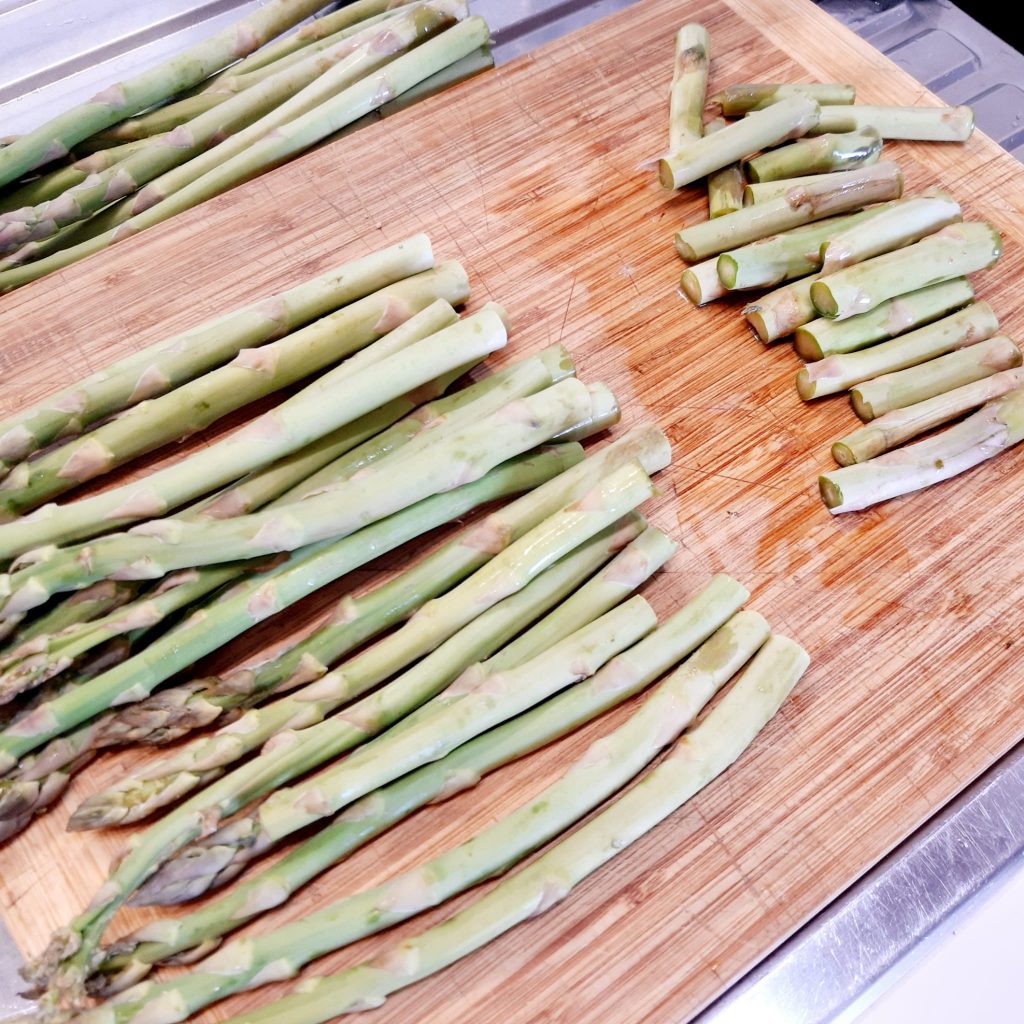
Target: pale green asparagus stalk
788	119
889	319
701	283
927	380
725	187
973	324
818	155
473	64
842	193
893	428
744	97
903	223
81	607
57	136
605	768
197	933
778	258
62	969
950	252
252	374
173	361
782	311
992	429
689	84
700	756
926	124
276	147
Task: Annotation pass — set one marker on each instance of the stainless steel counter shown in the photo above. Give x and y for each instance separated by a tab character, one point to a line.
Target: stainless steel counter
53	52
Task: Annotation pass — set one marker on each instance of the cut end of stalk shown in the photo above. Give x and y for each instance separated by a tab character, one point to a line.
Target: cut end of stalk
805	386
861	407
757	321
824	302
843	454
666	178
807	346
727	270
690	287
831	493
684	248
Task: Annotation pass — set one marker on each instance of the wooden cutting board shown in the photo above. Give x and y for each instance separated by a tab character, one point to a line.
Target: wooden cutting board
539	178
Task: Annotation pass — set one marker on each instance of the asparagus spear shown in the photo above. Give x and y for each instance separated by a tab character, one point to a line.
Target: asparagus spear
129	959
252	374
782	257
927	124
62	969
347	62
969	326
899	425
846	191
56	137
904	222
701	755
609	765
823	153
927	380
474	63
83	606
951	252
747	96
701	283
782	311
787	119
275	147
998	425
888	319
725	187
169	363
689	84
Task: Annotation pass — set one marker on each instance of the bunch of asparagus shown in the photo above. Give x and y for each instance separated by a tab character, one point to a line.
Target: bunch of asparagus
205	121
872	284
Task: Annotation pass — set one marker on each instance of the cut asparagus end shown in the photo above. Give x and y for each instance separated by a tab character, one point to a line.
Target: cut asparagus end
805	385
824	301
845	455
831	492
806	345
665	177
861	406
727	270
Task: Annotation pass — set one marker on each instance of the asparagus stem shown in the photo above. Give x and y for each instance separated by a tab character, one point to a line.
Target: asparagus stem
998	425
63	968
725	187
175	360
899	425
129	959
473	64
951	252
56	137
735	100
927	124
927	380
823	153
783	257
782	311
969	326
700	756
701	283
273	148
846	191
787	119
689	84
906	221
888	319
83	606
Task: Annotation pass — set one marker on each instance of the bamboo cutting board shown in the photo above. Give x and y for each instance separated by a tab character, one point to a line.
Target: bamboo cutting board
538	177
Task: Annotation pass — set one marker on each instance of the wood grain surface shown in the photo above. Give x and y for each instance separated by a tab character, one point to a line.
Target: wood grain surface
539	177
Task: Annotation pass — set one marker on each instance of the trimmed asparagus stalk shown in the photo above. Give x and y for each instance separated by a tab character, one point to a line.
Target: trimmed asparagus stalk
782	311
129	959
56	137
788	119
275	147
903	223
725	187
891	430
742	98
701	283
889	319
951	252
925	124
818	155
62	969
324	73
603	770
973	324
783	257
907	387
689	84
700	756
465	68
844	192
992	429
171	362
